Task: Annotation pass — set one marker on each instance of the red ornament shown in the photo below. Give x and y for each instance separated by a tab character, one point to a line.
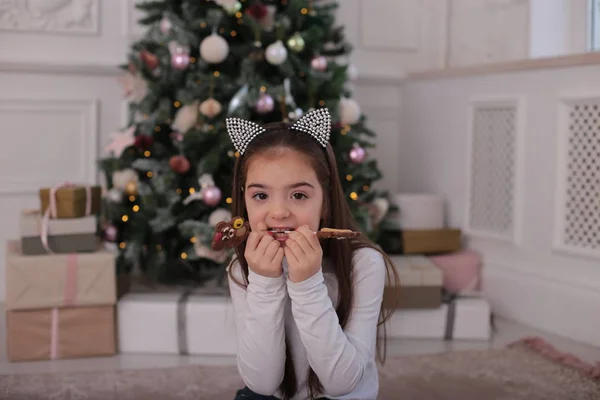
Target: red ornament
257	11
149	59
179	164
143	141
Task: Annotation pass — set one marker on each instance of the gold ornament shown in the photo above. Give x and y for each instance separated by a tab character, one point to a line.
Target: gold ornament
296	42
131	188
210	108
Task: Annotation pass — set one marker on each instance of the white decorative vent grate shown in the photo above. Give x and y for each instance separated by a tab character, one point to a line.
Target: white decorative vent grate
492	175
581	215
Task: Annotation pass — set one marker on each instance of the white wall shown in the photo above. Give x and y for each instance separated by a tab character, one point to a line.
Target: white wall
516	156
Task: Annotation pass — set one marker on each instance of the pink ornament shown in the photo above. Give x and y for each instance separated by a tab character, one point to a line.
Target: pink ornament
211	196
180	60
110	233
319	63
265	104
357	154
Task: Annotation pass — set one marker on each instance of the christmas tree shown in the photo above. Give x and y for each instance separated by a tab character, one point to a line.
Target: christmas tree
169	171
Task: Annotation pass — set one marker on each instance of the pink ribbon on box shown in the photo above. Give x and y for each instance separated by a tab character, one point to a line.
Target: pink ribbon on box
51	210
54	334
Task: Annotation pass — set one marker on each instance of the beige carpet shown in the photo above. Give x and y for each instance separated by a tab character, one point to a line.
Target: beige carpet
528	370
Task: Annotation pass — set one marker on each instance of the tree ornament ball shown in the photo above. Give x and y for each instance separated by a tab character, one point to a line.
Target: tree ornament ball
214	49
180	60
265	104
296	43
358	154
210	108
276	53
114	195
349	111
179	164
319	63
211	196
232	8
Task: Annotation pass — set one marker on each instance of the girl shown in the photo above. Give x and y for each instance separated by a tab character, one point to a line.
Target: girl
307	312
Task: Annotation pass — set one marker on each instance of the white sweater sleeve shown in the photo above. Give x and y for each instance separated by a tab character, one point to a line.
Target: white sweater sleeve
339	357
259	311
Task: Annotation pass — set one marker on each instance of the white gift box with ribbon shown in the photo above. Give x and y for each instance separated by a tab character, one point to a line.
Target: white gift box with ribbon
461	318
176	323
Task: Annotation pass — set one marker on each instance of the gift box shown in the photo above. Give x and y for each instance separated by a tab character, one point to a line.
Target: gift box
421	241
60	333
418	211
461	318
70	235
70	201
461	270
57	280
420	284
176	323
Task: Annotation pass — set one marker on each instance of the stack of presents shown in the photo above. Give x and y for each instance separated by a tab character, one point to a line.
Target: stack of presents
440	280
60	282
62	297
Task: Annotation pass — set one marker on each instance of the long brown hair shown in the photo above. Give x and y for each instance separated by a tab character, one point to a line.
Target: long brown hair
336	213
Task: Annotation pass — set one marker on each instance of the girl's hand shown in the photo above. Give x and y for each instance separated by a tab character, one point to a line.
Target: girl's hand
304	254
263	253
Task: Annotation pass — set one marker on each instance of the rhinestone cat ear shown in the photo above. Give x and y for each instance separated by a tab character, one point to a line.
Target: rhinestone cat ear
242	132
316	123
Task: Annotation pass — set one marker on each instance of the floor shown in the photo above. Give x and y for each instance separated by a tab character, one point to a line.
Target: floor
506	332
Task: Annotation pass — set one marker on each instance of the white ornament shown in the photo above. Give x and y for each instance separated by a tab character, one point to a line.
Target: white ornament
349	111
276	53
214	49
185	118
123	177
220	214
114	195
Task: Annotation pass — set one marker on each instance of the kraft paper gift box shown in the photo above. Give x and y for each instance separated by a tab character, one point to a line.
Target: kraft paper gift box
461	318
420	284
176	323
422	241
60	333
67	235
70	201
59	280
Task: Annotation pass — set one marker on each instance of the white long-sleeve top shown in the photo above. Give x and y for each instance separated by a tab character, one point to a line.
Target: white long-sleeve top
271	309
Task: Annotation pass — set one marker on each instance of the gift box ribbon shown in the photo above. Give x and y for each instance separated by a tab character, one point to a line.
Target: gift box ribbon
54	334
182	336
450	300
51	210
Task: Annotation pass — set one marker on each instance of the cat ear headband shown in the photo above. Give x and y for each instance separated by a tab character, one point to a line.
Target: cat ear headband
316	123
